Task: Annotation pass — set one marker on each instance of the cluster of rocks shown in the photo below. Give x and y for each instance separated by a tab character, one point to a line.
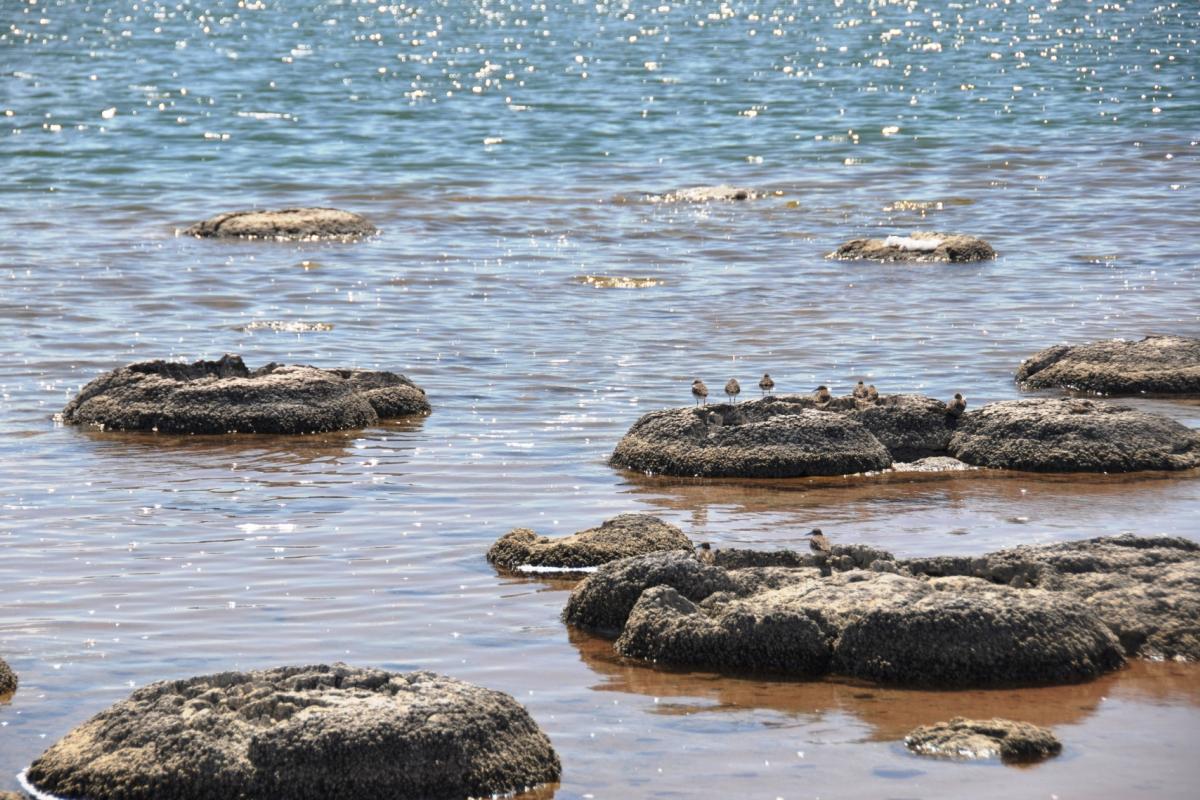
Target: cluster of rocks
1156	365
306	733
304	224
8	679
918	247
211	397
787	436
1030	615
967	739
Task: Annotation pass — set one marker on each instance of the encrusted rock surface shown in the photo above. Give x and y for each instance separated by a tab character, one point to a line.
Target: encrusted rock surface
304	733
1073	435
1168	365
224	397
917	247
284	224
705	194
962	738
620	537
1028	615
8	678
910	426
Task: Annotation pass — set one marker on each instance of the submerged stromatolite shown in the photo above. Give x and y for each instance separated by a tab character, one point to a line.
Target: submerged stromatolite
620	537
918	247
1167	365
224	396
305	733
967	739
284	224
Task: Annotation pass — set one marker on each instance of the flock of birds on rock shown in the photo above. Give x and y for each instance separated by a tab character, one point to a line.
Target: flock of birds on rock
954	408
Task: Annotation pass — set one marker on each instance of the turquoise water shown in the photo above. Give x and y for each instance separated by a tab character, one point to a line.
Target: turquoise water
504	150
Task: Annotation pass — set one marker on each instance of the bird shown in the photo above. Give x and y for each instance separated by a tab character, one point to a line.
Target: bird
818	543
733	389
822	394
705	553
860	391
957	406
872	393
699	391
766	384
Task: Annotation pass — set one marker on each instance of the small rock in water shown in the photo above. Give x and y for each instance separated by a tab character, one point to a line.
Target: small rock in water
620	537
918	247
285	224
705	194
962	738
8	679
1167	365
618	281
285	326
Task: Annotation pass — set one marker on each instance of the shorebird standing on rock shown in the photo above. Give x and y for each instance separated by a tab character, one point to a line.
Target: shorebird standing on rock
822	394
872	393
700	391
733	389
818	543
766	384
957	406
705	553
860	391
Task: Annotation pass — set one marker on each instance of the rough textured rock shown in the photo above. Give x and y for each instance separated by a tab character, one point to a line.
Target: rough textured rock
305	733
920	246
620	537
769	438
8	679
224	396
1155	365
910	426
11	796
287	223
1072	435
705	194
962	738
1145	589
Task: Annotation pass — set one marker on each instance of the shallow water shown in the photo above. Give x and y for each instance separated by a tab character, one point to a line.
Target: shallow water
129	558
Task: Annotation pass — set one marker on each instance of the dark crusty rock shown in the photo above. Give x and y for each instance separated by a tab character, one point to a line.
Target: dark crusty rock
962	738
620	537
920	246
304	733
1072	435
910	426
1168	365
287	223
1145	589
224	396
769	438
8	679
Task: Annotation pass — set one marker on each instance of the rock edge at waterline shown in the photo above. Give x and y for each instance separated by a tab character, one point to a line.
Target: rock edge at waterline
224	396
1156	365
918	247
620	537
970	739
304	733
284	225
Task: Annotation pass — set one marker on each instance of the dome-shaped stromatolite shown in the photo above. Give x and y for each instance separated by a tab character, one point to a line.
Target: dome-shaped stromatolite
225	397
962	738
770	438
918	247
305	733
286	224
910	426
8	679
1155	365
620	537
1069	435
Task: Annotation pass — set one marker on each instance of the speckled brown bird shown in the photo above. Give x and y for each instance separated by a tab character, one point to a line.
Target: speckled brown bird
822	394
699	391
860	391
766	384
957	406
733	389
705	553
818	543
872	393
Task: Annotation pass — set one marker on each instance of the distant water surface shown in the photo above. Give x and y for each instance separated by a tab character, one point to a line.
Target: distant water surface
507	150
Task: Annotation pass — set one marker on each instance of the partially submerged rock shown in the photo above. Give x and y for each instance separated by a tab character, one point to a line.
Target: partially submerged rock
920	246
285	326
224	396
1168	365
8	679
1055	613
705	194
962	738
769	438
910	426
305	733
618	281
620	537
1072	435
284	224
